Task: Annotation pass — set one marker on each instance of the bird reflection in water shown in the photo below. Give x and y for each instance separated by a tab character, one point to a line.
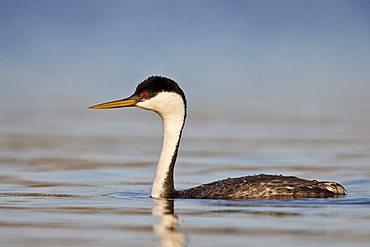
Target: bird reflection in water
168	227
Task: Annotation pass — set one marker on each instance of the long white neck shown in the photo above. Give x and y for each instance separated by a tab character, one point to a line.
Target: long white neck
171	108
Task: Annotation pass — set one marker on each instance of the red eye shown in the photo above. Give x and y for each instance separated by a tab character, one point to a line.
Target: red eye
144	95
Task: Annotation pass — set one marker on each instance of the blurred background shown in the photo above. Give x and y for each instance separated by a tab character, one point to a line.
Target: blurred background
257	53
250	69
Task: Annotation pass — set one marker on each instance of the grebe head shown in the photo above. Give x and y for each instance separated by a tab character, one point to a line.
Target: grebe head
159	94
165	97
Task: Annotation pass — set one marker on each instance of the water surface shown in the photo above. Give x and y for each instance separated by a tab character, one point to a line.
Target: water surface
77	177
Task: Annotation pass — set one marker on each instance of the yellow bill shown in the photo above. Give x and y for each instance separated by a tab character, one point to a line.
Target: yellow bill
116	104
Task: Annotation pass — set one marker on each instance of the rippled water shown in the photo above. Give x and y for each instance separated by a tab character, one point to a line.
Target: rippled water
77	177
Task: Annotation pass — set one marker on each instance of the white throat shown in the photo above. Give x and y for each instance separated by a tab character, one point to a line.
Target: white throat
171	108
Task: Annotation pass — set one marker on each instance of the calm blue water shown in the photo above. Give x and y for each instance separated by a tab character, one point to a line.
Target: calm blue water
77	177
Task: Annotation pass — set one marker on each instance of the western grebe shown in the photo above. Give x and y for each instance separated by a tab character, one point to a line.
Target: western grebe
164	96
